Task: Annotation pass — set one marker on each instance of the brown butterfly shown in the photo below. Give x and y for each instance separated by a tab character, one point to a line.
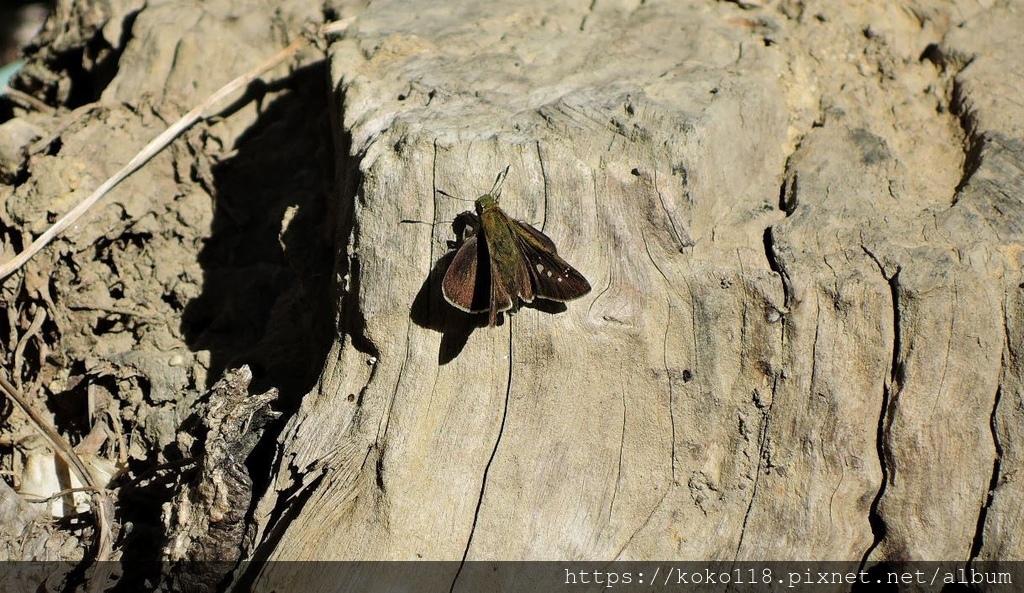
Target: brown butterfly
513	260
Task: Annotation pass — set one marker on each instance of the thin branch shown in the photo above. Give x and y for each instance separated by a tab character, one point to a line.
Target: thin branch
56	495
26	100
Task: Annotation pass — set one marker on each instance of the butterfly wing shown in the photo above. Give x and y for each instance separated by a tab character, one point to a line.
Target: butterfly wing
510	276
466	284
536	236
501	299
552	277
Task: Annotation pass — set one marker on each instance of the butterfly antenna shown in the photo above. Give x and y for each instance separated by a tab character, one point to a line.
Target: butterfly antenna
411	221
496	190
448	195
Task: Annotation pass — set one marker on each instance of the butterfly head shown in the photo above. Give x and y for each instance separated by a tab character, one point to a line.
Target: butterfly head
489	201
486	202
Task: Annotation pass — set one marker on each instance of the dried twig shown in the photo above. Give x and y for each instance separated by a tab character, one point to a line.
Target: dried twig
38	318
27	101
56	495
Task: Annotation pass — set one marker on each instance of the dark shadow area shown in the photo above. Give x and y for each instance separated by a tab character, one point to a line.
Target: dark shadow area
84	58
546	306
430	310
139	503
20	20
266	298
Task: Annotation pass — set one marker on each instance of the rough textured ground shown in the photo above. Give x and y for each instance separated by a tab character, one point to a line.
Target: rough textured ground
801	221
213	255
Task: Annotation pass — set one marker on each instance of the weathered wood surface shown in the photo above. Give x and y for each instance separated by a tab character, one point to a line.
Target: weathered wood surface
803	229
801	221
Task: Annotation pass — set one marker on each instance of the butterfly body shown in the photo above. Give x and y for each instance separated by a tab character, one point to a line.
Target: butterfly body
501	259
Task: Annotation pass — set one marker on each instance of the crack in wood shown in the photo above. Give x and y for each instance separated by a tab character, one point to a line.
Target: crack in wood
875	518
762	461
487	468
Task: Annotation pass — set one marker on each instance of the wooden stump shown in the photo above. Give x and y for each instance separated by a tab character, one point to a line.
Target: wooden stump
802	230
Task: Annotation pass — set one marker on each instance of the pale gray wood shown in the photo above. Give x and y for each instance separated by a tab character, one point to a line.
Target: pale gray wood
809	373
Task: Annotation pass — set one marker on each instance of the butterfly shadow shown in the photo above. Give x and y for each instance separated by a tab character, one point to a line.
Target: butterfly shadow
549	307
430	310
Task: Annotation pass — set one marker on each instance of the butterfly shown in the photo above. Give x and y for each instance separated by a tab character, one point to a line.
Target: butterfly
501	259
